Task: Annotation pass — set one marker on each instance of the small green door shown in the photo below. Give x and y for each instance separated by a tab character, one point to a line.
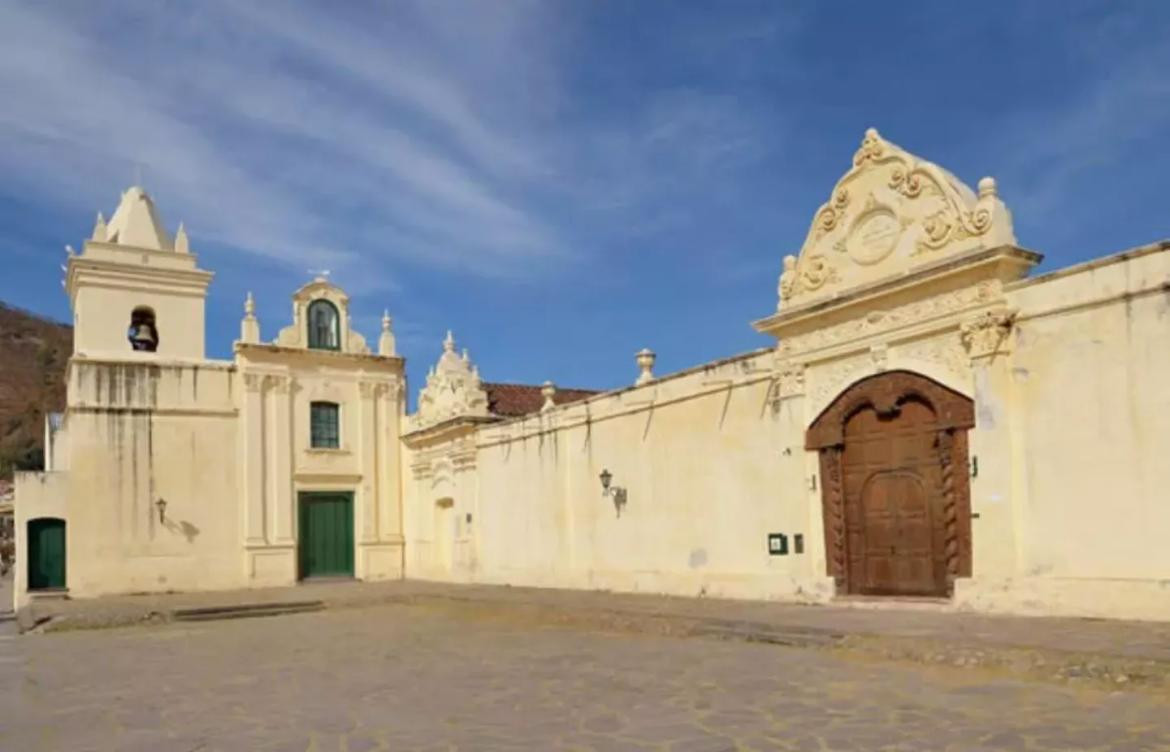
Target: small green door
326	533
46	554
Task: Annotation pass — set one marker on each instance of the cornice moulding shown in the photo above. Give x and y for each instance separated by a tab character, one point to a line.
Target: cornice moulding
1004	263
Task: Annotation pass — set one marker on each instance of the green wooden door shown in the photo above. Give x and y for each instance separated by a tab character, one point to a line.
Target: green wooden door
46	554
326	533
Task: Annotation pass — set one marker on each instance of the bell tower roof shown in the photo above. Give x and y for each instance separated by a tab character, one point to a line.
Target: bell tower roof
136	222
133	273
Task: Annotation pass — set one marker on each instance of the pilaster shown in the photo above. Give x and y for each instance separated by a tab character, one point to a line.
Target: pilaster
389	522
799	467
254	453
280	459
367	506
995	502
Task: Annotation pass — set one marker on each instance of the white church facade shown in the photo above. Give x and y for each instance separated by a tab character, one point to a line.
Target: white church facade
930	422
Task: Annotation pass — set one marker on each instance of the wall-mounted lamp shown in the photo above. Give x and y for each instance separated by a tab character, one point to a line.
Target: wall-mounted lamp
617	492
162	509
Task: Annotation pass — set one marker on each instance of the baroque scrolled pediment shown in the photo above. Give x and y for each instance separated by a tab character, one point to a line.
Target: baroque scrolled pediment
889	214
453	390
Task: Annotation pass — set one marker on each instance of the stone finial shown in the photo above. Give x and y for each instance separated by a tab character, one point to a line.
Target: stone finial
449	342
386	343
872	147
249	326
987	187
645	359
181	243
547	390
99	229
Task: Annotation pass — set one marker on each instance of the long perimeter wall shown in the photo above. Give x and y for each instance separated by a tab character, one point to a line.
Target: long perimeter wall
1070	491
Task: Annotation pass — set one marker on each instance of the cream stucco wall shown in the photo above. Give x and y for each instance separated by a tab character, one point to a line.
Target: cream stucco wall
443	516
1069	471
140	433
101	316
1086	394
711	464
279	384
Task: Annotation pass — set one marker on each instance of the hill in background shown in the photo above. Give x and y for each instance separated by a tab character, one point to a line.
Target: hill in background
33	354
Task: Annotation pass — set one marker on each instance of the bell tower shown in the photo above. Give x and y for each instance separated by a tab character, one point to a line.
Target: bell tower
135	291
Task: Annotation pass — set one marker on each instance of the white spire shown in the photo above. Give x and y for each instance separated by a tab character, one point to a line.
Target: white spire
181	240
99	229
136	222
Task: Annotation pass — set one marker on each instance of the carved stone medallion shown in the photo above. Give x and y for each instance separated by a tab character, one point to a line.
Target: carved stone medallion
873	237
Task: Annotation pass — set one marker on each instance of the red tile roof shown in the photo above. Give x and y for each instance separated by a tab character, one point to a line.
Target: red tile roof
513	400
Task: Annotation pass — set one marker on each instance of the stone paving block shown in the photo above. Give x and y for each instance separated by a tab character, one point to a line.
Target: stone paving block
404	677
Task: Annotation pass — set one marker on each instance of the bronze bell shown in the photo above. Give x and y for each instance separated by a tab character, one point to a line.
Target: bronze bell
143	337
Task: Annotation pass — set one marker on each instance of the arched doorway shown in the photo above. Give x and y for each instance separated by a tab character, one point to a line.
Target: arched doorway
46	553
445	535
895	487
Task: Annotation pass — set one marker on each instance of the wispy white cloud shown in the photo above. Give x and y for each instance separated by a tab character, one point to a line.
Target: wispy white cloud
435	133
270	138
79	128
394	68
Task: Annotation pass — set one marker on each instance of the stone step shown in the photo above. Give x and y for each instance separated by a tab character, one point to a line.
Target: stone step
791	636
245	611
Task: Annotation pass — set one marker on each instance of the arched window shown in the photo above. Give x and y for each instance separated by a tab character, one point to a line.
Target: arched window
324	425
324	326
143	333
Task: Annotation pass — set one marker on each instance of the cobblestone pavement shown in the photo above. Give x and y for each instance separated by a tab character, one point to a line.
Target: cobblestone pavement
443	677
1137	640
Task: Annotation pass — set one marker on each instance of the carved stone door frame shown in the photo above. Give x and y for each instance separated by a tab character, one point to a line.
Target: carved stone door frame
885	393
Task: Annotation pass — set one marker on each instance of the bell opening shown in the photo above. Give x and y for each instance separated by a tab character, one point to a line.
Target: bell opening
143	333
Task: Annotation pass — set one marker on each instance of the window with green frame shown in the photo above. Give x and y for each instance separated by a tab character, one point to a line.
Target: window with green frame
324	326
324	430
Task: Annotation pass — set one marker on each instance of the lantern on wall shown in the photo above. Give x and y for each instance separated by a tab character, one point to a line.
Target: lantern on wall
617	493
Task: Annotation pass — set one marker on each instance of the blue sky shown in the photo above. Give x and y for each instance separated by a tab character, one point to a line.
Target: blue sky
561	183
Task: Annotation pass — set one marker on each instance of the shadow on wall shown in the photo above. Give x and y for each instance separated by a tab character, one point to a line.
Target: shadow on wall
184	528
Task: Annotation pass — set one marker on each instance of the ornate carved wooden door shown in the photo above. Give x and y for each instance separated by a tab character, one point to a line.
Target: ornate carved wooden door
897	510
893	503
